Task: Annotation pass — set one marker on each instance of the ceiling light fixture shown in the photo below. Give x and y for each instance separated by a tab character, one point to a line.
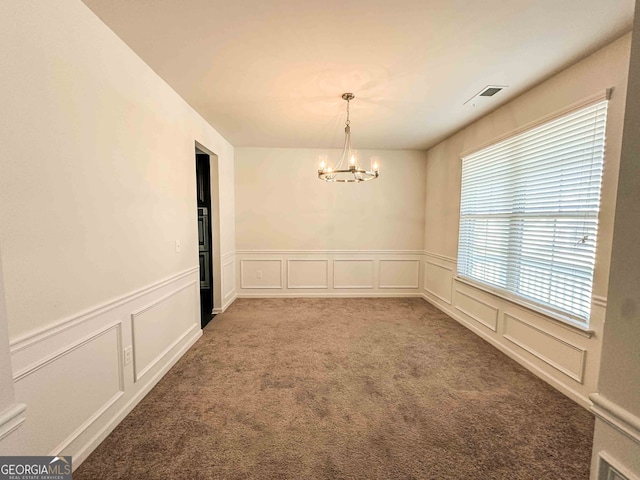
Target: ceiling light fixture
352	173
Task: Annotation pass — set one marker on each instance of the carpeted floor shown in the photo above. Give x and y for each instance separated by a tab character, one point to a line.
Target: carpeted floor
346	389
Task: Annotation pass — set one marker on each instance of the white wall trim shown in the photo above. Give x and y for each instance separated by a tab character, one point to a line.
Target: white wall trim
616	416
330	252
228	261
539	372
90	445
493	327
226	305
227	255
138	375
43	333
11	419
25	372
276	287
415	284
67	441
599	301
367	259
329	295
440	257
293	260
431	292
549	315
577	377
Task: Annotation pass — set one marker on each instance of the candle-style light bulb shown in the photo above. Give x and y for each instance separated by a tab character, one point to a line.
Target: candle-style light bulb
323	163
374	164
353	160
329	170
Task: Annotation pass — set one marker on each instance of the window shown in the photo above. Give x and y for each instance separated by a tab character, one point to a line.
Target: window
529	213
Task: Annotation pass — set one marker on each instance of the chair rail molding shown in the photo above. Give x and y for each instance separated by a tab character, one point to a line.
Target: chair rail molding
11	419
616	416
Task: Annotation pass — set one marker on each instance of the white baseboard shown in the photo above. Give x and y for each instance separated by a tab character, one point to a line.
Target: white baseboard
227	304
331	295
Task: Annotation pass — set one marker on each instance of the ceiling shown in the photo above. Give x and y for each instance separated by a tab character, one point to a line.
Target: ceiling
270	73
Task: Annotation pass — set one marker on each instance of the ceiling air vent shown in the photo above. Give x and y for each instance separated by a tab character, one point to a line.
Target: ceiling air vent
484	95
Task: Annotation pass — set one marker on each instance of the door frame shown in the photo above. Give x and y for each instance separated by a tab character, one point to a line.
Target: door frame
216	273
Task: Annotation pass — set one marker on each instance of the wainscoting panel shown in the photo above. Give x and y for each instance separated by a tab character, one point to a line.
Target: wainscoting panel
330	273
438	279
307	274
72	375
477	307
90	368
261	273
353	273
158	327
565	356
560	354
228	279
399	273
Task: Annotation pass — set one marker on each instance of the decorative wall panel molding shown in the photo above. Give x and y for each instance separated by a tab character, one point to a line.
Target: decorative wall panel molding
153	336
47	387
261	273
449	260
438	280
305	273
11	419
72	375
477	309
396	273
554	351
353	273
332	273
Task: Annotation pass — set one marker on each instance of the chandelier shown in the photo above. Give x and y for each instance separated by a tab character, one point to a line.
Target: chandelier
352	173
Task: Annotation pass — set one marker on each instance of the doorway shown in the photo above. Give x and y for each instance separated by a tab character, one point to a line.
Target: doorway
205	237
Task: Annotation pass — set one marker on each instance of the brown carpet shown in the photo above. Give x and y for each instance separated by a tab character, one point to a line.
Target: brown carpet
346	389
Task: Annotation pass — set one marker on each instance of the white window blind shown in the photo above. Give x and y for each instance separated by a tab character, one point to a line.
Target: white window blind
529	212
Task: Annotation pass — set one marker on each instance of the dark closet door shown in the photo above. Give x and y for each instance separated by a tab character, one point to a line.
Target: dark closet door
203	183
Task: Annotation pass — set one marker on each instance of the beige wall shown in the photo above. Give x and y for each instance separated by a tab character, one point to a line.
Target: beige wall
97	167
281	204
604	69
617	403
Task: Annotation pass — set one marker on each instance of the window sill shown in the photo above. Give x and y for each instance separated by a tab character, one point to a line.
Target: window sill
563	321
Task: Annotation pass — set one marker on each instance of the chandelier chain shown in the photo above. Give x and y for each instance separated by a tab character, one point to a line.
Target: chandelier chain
348	121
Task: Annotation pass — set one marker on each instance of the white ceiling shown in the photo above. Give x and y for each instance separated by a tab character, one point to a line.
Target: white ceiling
269	73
